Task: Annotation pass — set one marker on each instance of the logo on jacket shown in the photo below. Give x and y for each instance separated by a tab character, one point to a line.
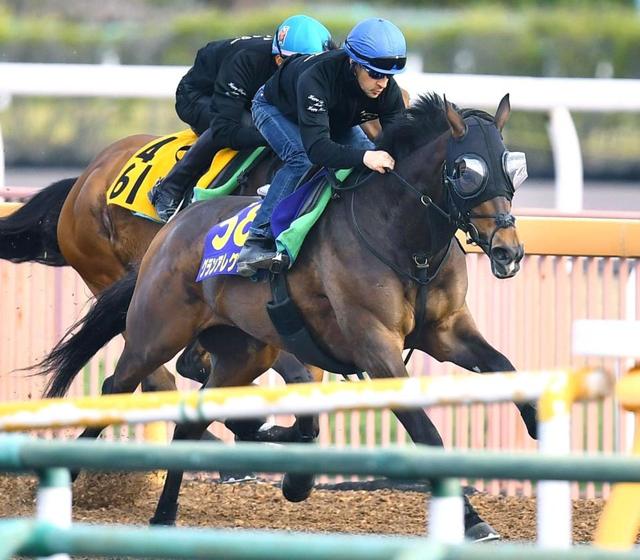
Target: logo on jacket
282	33
316	105
235	90
367	116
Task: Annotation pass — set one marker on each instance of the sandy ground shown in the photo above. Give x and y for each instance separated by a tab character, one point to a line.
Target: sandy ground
131	499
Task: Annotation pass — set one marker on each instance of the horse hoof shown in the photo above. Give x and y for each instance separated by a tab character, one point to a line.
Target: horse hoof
481	532
297	488
236	478
165	516
163	522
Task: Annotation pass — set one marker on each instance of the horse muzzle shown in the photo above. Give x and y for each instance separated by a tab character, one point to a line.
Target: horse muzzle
505	260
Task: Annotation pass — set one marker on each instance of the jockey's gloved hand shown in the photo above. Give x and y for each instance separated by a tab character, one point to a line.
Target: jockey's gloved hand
378	160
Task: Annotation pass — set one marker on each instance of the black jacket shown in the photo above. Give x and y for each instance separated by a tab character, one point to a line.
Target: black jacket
219	88
321	94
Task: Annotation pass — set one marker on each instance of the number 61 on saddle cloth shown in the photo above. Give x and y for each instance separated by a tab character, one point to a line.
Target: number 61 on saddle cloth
150	163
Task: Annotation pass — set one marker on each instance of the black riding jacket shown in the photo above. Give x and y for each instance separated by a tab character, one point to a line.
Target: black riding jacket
226	75
321	94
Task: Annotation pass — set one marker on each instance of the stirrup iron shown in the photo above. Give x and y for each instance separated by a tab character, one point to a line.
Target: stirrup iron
279	263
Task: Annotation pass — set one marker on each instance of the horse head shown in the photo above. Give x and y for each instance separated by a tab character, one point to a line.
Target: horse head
456	162
480	177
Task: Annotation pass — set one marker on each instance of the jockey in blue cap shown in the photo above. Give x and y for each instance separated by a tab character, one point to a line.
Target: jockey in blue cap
309	112
216	93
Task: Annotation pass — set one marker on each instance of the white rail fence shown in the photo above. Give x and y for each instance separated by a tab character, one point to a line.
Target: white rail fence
556	96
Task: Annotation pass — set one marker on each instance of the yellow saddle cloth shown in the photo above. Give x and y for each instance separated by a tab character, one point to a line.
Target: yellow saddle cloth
153	161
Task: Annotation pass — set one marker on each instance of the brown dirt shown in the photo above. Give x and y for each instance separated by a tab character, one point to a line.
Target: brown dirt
131	498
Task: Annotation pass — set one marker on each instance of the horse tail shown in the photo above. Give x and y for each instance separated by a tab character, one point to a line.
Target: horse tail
30	233
105	320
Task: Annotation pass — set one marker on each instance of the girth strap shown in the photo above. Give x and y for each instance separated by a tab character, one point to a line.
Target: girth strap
290	325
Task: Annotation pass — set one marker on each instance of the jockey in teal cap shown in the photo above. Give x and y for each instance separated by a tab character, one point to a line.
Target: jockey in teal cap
215	96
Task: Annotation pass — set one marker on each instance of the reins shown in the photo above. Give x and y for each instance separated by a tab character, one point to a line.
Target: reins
420	260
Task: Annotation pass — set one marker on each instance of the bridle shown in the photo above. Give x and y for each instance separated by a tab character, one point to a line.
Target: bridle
451	213
463	220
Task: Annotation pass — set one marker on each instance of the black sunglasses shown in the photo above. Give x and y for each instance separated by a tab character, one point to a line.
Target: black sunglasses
383	62
374	74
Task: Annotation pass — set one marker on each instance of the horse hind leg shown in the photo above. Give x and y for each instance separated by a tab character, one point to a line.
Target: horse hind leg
167	507
241	363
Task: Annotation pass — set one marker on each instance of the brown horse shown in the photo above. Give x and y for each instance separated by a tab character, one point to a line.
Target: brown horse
70	223
357	282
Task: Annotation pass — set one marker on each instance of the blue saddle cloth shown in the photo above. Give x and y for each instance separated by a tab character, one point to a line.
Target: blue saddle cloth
291	220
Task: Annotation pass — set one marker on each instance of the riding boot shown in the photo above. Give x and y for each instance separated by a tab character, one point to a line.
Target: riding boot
167	194
257	253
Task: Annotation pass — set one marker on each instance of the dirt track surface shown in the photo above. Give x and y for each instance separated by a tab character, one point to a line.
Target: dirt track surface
131	498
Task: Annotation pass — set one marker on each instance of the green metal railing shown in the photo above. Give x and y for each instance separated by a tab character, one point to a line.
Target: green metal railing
49	458
32	538
22	454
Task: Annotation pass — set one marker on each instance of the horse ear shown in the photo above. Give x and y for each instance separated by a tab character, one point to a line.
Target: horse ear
502	114
456	122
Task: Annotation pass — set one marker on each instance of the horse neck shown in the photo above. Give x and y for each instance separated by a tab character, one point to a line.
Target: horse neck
392	214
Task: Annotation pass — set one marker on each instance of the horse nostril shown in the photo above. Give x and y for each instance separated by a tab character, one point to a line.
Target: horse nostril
502	255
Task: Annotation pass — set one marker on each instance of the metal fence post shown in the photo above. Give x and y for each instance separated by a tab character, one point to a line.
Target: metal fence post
446	511
554	436
53	501
567	159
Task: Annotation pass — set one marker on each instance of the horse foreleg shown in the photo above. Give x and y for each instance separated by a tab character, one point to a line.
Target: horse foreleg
382	357
254	429
194	363
295	487
298	487
458	340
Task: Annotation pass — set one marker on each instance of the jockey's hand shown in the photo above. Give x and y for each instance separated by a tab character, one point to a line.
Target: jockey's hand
378	160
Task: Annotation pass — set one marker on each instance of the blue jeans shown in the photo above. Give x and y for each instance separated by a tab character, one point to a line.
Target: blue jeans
284	138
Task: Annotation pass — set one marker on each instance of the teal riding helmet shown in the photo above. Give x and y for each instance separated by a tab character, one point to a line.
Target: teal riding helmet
300	35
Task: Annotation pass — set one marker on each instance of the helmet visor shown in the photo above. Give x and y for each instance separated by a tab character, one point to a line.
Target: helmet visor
388	64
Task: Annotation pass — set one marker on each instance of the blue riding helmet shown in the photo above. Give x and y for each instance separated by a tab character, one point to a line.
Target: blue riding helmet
300	35
377	45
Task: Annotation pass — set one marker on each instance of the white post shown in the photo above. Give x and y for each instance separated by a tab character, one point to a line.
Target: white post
554	437
5	100
567	160
446	512
53	501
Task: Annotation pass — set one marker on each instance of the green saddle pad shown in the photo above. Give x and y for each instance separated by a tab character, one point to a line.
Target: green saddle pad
227	188
291	239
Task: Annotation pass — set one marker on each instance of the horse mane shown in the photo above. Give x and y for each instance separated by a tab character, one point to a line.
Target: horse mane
420	124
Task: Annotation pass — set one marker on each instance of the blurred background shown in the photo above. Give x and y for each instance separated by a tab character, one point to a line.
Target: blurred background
48	138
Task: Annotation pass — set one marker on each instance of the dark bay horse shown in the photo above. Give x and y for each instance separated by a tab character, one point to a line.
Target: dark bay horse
356	283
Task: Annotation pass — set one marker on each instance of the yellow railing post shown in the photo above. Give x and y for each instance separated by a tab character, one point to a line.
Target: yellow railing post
620	520
156	432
